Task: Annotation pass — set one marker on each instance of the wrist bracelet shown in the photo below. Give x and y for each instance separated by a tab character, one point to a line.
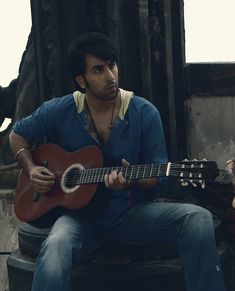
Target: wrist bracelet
19	151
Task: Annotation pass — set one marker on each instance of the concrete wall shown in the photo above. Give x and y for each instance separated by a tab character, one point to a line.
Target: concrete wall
9	227
211	128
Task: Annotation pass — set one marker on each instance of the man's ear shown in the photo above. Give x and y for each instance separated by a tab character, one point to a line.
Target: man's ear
81	82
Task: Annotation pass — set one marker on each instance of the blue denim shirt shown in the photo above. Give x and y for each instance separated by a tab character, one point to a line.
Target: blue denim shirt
137	137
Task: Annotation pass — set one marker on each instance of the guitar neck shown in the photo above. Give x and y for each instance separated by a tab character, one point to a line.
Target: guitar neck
133	172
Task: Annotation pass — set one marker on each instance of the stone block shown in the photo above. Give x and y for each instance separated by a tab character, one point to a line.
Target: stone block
9	233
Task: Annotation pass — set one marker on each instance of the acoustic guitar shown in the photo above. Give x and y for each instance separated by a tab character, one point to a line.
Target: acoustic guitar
77	175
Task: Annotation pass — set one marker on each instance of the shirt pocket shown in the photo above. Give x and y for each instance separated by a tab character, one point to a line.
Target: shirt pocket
128	150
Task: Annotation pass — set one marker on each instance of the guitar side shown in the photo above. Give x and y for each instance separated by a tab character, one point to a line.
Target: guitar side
58	160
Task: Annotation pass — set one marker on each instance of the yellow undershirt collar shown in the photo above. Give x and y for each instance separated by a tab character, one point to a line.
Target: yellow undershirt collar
125	100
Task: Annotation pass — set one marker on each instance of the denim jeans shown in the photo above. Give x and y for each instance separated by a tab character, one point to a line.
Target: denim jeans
156	224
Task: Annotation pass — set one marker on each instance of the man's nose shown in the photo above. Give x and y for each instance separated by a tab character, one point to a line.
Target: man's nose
109	73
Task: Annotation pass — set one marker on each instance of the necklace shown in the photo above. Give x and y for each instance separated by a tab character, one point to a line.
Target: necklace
99	136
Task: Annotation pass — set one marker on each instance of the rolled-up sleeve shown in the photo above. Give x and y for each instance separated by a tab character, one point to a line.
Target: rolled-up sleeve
40	124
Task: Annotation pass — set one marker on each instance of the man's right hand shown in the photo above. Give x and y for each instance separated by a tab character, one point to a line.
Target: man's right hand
41	178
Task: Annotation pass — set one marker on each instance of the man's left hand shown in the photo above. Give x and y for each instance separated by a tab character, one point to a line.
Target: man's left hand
115	180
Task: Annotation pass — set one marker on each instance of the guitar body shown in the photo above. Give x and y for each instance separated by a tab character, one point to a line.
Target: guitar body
58	161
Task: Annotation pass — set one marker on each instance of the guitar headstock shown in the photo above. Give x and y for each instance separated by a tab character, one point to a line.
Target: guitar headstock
195	172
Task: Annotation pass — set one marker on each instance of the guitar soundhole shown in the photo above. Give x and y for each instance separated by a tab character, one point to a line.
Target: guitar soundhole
70	178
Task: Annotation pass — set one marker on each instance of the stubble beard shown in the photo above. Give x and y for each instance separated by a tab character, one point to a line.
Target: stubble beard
104	97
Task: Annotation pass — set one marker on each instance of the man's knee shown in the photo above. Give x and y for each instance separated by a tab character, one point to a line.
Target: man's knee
60	241
198	211
198	221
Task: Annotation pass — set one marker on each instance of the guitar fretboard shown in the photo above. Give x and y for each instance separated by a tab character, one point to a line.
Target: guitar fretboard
129	172
133	172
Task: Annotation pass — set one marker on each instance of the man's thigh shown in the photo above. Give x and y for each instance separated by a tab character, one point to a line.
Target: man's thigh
81	233
155	224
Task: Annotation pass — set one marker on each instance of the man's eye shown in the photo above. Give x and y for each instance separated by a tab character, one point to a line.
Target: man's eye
98	70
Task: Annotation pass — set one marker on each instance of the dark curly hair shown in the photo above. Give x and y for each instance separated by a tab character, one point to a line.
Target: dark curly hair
93	43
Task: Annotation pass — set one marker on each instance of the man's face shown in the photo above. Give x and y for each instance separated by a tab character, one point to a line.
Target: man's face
100	78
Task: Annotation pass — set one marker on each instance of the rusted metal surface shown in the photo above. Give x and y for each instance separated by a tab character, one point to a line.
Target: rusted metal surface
211	79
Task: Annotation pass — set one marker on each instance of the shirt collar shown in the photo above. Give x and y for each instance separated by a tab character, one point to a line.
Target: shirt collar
126	96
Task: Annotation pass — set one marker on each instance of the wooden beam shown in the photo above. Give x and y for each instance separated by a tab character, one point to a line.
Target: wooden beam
45	25
145	50
170	79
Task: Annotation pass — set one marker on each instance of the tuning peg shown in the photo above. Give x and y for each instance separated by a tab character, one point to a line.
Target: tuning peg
195	160
203	184
193	184
183	183
185	160
204	159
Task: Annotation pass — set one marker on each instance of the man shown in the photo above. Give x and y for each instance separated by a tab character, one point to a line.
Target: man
128	130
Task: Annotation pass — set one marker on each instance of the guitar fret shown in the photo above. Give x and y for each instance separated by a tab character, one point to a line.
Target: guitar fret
144	171
137	173
98	172
131	174
102	174
90	176
158	172
87	176
95	174
84	176
101	178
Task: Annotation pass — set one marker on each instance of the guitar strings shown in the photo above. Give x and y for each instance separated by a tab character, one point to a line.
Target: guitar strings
139	170
161	173
132	172
109	169
99	178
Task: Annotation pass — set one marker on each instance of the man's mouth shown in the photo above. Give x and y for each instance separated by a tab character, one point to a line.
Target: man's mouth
112	87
